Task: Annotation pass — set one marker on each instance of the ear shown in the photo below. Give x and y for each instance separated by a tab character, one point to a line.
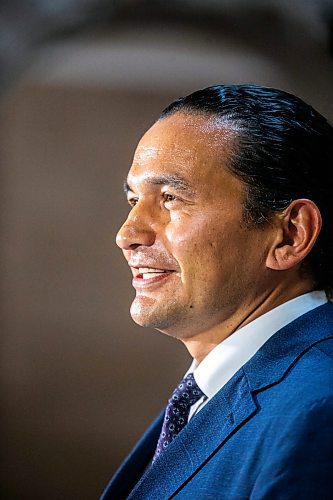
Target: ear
298	228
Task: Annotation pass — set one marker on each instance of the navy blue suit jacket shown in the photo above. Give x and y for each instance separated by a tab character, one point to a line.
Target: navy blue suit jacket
267	434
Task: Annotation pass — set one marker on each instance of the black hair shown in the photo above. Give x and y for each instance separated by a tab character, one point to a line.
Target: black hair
283	151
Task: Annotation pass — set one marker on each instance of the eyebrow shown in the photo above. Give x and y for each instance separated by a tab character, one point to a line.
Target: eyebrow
172	180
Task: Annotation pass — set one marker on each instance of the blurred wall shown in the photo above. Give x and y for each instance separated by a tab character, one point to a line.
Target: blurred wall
75	367
77	373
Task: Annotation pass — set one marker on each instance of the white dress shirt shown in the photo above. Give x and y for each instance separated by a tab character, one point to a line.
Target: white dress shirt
219	366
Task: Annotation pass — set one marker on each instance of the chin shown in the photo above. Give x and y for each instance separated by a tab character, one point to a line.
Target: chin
171	318
148	320
142	315
147	312
172	329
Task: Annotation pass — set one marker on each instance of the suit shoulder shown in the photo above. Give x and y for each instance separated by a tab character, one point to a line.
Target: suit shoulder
317	361
326	347
309	383
315	365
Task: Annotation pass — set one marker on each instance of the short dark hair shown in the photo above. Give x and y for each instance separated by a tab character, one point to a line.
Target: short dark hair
283	151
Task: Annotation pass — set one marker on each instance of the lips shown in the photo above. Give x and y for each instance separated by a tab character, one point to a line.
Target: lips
149	272
146	276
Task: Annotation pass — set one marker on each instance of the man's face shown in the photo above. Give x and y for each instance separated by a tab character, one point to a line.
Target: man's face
194	262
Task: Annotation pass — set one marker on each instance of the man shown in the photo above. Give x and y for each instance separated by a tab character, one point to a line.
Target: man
230	239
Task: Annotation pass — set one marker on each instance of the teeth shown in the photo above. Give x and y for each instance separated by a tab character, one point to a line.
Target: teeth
147	276
145	270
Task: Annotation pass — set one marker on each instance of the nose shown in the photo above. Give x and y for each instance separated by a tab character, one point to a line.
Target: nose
136	231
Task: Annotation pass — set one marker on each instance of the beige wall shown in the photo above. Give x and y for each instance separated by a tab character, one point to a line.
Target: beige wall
76	371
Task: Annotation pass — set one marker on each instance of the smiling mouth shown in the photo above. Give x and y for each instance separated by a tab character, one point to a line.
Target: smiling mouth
145	276
148	272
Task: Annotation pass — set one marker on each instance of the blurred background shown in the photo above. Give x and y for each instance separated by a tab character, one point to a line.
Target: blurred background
80	81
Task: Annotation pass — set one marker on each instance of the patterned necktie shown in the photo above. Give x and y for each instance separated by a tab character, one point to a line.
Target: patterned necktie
177	411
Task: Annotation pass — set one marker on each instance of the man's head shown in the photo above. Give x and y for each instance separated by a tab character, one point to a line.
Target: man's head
226	191
283	151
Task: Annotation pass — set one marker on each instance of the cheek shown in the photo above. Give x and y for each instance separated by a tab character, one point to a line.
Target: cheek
179	233
198	244
184	241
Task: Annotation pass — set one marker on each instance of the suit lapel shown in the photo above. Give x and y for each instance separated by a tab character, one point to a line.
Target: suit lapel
198	441
270	364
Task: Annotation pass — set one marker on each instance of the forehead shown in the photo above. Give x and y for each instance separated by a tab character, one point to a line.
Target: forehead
190	145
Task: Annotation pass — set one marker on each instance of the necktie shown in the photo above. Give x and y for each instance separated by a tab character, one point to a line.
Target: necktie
177	411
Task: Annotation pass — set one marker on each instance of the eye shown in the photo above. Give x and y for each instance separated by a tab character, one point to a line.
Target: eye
168	197
132	201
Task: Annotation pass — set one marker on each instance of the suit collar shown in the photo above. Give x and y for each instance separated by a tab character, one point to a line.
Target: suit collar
235	351
281	351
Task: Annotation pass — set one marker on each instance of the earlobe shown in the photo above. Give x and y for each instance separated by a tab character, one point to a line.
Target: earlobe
297	230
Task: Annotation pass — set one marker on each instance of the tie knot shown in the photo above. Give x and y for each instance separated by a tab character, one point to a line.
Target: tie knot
186	393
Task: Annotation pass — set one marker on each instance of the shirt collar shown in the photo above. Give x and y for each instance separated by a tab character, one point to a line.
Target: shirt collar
229	356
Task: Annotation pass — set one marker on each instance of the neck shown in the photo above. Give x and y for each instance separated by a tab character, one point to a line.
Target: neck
202	343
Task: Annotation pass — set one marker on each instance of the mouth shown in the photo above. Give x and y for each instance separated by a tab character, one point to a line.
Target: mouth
146	276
